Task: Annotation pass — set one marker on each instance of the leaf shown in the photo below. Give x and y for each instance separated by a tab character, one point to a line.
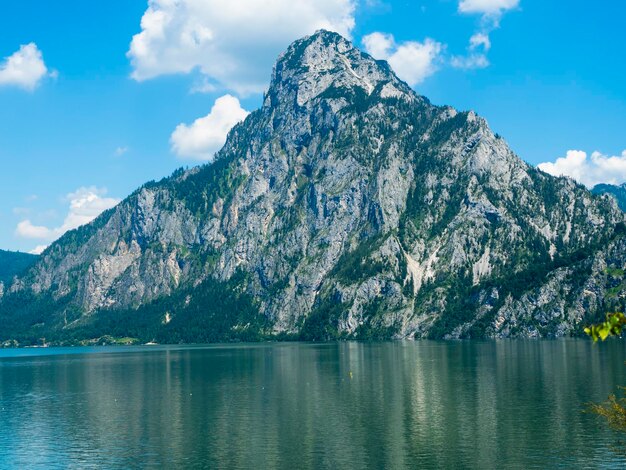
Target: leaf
604	332
613	326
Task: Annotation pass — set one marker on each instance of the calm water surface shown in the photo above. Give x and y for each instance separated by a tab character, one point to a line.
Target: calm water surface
505	404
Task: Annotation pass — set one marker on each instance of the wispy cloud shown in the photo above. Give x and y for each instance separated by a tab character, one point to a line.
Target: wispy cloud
493	8
490	12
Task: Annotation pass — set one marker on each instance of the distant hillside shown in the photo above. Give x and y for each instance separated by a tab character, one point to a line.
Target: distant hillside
14	263
618	192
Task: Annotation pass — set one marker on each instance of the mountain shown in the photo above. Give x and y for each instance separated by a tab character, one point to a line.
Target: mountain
617	192
347	206
13	263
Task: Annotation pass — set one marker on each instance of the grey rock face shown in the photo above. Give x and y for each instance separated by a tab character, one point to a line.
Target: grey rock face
356	209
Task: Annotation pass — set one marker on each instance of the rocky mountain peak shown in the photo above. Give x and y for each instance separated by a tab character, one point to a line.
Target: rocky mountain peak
348	206
326	64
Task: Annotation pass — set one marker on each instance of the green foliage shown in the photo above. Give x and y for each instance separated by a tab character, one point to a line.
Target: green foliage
355	266
370	331
613	410
460	304
446	127
13	264
200	190
463	298
613	326
26	317
614	272
109	340
322	324
214	311
373	326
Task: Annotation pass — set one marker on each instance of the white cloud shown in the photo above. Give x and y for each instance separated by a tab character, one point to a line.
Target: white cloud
85	204
480	40
597	169
487	7
25	68
39	249
479	44
412	61
472	61
26	229
206	135
233	43
378	45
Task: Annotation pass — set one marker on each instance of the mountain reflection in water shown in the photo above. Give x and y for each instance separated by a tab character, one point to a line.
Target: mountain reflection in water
290	405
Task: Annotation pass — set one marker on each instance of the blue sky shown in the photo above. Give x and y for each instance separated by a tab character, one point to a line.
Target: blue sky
88	113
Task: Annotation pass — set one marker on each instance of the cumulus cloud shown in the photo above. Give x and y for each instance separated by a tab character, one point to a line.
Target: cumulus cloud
85	204
206	135
413	61
26	229
589	171
233	43
25	68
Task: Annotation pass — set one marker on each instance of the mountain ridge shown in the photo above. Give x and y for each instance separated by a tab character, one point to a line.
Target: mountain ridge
347	206
13	263
618	192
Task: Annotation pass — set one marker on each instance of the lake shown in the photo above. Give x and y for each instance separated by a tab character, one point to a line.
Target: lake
423	404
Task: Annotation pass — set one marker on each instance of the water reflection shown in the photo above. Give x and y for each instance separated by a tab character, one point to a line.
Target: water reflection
379	405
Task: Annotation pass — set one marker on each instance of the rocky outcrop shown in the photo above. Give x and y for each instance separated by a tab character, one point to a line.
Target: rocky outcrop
349	206
616	192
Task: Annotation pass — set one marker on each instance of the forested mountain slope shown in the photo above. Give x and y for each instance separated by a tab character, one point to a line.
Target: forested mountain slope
13	263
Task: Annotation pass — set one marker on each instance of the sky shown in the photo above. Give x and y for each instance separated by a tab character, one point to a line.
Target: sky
97	98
